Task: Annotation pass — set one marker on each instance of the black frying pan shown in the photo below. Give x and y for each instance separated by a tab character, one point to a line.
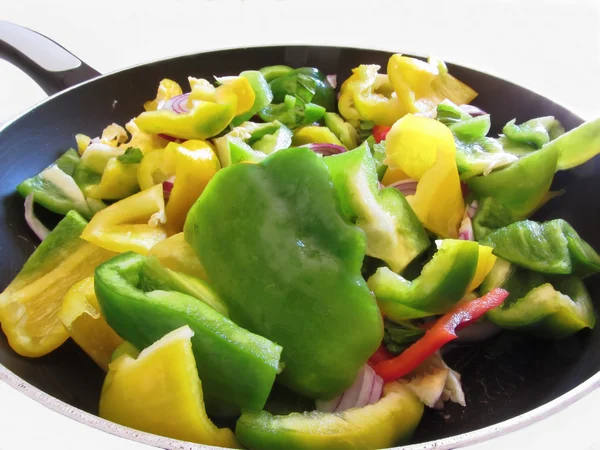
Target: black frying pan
509	382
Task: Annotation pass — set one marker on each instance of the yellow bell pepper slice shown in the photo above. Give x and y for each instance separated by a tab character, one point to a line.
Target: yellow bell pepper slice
160	392
308	135
118	181
151	171
206	119
367	95
144	141
424	149
81	315
83	142
114	135
484	266
176	254
167	89
132	224
194	163
243	90
421	86
30	304
393	175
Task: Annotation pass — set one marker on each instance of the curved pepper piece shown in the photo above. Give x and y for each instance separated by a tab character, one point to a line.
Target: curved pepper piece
307	84
81	315
120	227
547	306
552	247
424	150
176	254
237	367
391	421
193	163
206	118
30	304
485	263
421	86
394	233
55	189
134	393
367	95
514	192
312	134
296	264
443	282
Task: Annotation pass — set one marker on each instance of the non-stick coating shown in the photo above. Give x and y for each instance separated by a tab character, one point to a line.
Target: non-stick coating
502	379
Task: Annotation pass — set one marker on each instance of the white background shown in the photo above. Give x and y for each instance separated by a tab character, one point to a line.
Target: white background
552	47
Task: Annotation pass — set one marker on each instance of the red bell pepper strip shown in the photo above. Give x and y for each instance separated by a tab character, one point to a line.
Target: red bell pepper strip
441	333
381	354
380	132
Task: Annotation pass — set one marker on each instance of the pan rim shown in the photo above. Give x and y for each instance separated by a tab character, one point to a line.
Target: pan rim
469	438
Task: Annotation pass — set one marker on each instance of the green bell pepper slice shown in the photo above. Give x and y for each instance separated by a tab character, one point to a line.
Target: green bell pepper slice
546	306
534	133
252	142
442	283
389	422
294	113
552	247
379	155
55	189
237	368
578	145
519	188
476	153
345	132
394	232
287	264
272	72
307	84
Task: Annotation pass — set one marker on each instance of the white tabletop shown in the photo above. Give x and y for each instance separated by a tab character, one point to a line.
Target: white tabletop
551	46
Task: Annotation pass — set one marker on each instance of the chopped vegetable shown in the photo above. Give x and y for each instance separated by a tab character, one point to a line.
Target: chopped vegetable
224	349
34	223
297	274
441	333
134	393
552	247
390	421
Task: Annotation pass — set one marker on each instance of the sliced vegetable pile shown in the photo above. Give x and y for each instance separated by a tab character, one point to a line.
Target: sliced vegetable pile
268	250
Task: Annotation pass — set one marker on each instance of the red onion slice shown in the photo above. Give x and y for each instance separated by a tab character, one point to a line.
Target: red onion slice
34	223
407	187
332	80
326	149
472	209
366	390
465	232
178	104
473	110
377	391
168	187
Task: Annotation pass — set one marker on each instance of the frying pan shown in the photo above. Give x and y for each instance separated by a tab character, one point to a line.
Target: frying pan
509	382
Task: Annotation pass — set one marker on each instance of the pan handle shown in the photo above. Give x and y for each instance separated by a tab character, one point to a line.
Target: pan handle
50	65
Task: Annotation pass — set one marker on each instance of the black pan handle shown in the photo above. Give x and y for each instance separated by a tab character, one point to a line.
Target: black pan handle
50	65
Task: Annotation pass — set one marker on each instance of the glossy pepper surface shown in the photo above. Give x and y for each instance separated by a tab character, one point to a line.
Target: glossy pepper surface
237	367
193	164
543	305
425	151
135	223
391	421
552	247
295	277
443	282
394	233
30	304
